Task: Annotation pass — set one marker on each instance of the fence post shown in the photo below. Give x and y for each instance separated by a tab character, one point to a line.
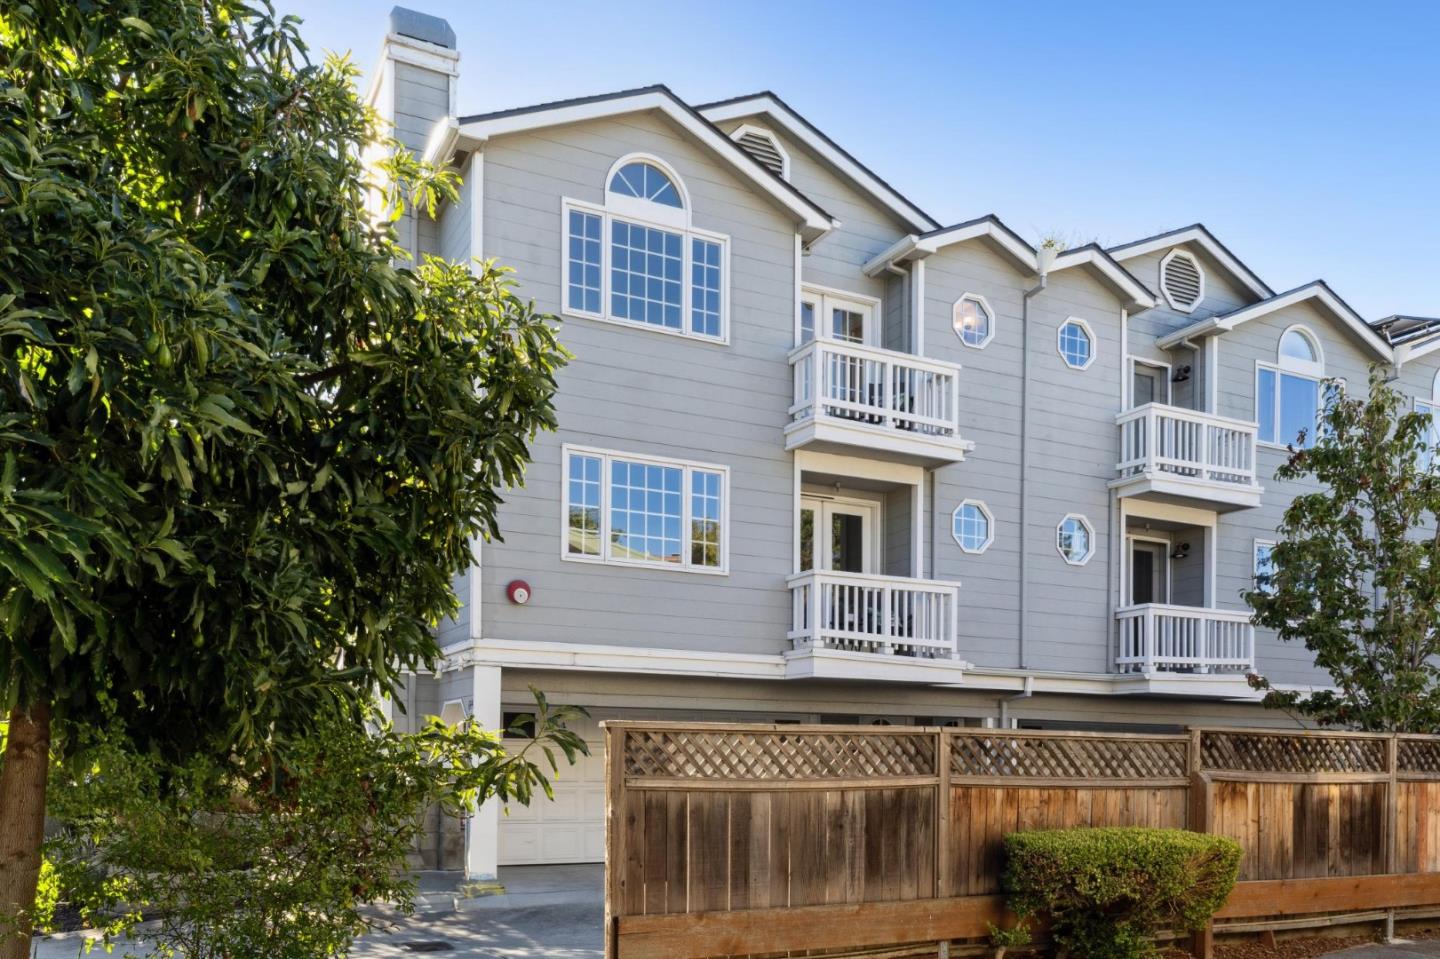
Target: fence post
943	885
614	846
1202	943
1392	815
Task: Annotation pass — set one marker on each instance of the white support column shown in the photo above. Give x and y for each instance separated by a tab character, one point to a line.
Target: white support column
917	306
917	511
482	830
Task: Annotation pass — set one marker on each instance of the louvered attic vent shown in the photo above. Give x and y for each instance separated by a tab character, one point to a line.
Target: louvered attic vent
762	145
1182	281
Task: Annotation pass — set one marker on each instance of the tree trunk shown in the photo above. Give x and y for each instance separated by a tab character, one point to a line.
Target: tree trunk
22	822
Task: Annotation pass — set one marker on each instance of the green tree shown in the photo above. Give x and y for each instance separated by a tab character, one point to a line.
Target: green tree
1355	575
243	447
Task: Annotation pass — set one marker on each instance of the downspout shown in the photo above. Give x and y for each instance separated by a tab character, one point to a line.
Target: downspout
1026	692
1044	263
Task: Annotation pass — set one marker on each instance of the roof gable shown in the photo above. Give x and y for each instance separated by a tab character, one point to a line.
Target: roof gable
477	128
1317	293
1198	235
832	153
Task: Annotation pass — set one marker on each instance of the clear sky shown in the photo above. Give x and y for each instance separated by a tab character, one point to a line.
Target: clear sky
1304	134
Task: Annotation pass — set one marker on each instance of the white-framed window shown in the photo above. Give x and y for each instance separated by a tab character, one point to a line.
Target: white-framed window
1149	382
973	526
1431	407
634	510
1265	565
1289	392
974	321
637	259
1075	539
1076	343
837	315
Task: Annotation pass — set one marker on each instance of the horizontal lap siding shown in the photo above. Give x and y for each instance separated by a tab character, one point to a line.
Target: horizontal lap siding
710	850
636	391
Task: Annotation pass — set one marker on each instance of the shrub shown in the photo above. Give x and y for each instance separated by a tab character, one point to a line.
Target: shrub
1107	891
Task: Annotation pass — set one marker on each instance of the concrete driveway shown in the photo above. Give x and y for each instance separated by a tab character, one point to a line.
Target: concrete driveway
554	912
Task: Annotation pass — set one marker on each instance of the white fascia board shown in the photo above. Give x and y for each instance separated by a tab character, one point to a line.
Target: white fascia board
916	247
797	128
1122	281
1203	240
1311	291
811	217
516	654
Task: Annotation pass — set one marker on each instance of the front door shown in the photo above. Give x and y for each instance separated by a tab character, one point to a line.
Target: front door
837	535
1149	574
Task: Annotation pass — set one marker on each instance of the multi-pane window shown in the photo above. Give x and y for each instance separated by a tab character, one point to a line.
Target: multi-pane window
636	510
971	526
637	258
973	321
583	511
645	267
1077	345
846	317
1432	433
1289	392
584	276
705	287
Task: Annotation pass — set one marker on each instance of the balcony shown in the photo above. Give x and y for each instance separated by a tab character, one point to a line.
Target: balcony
866	613
1188	458
1156	637
854	399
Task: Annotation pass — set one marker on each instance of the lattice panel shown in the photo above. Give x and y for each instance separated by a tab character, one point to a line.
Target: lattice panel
1309	753
762	756
1418	755
1068	757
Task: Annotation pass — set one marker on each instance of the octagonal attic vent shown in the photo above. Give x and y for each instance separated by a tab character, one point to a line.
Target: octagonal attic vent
761	144
1182	281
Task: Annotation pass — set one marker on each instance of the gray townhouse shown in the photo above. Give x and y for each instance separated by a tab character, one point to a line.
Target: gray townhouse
823	458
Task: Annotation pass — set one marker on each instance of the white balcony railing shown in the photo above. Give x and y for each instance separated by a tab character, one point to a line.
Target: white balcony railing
1155	637
862	612
883	389
1156	438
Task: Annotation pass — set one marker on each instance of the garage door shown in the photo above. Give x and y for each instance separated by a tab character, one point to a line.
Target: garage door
570	829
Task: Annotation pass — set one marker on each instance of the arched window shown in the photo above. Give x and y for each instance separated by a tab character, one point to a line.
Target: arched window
1288	393
637	258
646	181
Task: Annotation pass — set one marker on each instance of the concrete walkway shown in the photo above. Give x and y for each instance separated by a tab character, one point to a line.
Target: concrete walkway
546	912
1399	949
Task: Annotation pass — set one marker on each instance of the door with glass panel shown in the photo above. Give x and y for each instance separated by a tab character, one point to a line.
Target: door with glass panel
1149	571
840	537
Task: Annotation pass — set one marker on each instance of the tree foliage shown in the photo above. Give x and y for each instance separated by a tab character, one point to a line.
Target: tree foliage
1355	575
278	862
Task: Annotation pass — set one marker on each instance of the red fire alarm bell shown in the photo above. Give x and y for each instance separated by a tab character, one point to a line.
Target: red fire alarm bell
518	592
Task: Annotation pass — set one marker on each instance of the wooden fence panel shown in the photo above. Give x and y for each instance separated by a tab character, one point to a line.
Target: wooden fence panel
804	837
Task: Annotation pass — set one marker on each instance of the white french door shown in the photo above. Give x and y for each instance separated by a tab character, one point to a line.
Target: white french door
839	535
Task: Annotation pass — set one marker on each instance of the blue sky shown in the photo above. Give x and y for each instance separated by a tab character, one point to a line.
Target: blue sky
1304	134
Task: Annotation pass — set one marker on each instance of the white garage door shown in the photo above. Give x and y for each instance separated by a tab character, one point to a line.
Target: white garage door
570	829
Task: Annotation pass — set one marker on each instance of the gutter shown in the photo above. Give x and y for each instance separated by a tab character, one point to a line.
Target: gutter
1005	701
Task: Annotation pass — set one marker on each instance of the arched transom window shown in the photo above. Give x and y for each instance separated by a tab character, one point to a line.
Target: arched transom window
1289	392
638	259
1430	405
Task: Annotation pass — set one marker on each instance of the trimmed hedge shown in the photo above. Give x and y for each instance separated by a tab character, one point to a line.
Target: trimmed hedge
1107	891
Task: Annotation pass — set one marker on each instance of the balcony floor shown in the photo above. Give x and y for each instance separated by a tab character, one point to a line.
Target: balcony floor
1180	490
828	434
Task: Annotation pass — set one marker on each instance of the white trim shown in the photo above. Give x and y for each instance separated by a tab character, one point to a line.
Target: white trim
914	246
1094	342
872	529
746	128
686	492
815	220
799	283
477	209
1201	238
1127	585
990	325
687	233
917	528
1255	545
1090	539
859	467
1176	254
1212	375
912	216
917	289
1311	291
989	526
1299	373
1133	361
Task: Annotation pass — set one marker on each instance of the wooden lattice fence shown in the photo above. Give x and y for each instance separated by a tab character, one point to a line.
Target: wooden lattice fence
730	840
